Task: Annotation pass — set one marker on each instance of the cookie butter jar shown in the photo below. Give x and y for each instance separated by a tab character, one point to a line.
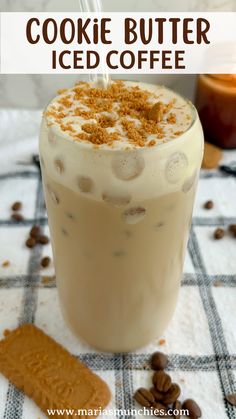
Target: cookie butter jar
216	104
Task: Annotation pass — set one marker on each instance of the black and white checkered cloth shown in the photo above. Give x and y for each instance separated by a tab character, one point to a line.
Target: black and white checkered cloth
201	339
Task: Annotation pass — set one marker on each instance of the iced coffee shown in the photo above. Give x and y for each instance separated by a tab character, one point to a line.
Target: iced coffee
120	168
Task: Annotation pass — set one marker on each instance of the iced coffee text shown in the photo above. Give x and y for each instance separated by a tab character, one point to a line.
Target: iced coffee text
118	43
81	43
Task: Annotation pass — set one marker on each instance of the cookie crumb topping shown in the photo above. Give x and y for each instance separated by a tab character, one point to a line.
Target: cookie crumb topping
122	112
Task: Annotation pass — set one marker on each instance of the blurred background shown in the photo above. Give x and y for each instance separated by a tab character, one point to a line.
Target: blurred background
34	91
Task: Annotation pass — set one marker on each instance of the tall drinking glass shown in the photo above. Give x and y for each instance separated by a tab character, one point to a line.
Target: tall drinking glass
120	169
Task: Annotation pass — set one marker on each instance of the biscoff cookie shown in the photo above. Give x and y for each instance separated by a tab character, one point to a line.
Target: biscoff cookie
212	156
49	374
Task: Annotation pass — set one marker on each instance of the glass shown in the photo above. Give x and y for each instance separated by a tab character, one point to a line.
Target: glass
216	104
118	266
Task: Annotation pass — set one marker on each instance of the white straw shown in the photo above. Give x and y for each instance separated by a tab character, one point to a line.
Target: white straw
91	6
87	6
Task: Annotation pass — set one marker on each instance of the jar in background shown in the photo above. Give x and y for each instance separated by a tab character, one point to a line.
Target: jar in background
216	104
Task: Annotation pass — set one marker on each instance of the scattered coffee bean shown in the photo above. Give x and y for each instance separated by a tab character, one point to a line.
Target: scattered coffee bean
177	406
208	205
35	231
172	394
159	361
232	229
30	242
219	233
218	283
144	397
193	408
16	206
161	381
45	262
42	239
231	398
5	264
17	217
165	394
157	394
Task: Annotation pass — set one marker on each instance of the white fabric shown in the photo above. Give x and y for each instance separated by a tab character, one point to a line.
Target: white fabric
201	338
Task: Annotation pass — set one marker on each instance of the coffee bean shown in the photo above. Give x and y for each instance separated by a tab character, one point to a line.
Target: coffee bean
30	242
35	231
219	233
17	217
16	206
232	229
157	394
6	263
193	408
161	381
43	239
231	398
45	262
172	394
218	283
208	205
177	406
144	397
159	361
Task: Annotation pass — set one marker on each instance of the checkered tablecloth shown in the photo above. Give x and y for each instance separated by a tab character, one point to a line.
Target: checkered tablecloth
201	339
